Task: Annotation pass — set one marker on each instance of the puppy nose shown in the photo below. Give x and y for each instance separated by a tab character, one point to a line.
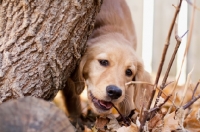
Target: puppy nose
113	91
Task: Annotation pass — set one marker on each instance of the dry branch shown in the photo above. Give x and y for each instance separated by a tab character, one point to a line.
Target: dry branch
195	89
167	44
170	63
126	120
178	39
159	106
138	82
187	45
191	102
190	3
164	53
187	105
161	63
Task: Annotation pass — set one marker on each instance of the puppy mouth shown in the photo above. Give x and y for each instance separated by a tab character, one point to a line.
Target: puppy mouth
101	104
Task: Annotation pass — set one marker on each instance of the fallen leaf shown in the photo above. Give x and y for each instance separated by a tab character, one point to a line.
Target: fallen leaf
138	122
170	123
183	95
198	115
87	129
132	128
192	122
146	128
155	121
101	123
94	129
160	101
180	116
113	124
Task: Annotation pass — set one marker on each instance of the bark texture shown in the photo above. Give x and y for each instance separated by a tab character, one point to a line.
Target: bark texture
31	114
40	44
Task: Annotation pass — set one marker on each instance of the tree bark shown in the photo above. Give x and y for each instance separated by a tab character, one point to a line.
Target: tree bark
31	114
41	42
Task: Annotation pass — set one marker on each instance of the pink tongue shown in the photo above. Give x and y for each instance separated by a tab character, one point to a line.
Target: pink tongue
108	105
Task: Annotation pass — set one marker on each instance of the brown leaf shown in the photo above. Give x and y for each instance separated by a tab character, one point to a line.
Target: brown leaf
94	129
132	128
113	123
87	129
170	124
192	123
156	121
180	116
101	123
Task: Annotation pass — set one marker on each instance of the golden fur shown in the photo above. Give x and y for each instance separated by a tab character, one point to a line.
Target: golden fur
114	40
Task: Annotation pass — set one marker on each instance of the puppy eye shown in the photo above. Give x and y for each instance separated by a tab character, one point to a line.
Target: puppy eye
104	62
128	72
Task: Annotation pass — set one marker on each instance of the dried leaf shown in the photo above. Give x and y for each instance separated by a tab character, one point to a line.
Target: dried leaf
180	115
155	121
138	122
170	123
132	128
101	123
113	124
198	115
192	122
146	128
86	129
186	87
94	129
160	101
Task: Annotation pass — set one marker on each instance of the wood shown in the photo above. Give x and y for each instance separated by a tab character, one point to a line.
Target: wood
40	44
33	114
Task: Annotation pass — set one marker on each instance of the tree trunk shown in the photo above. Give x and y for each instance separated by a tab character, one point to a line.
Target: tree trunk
40	44
33	115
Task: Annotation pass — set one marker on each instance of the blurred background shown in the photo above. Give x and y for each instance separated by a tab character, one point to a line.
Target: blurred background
152	20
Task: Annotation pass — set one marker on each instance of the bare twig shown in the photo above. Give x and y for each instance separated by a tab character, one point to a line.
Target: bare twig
159	106
166	84
142	112
187	45
161	90
193	98
190	3
143	121
173	104
195	89
178	39
163	58
138	82
191	102
164	53
184	34
126	120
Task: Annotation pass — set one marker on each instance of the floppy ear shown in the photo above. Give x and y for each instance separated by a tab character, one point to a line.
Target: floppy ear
73	87
142	92
77	77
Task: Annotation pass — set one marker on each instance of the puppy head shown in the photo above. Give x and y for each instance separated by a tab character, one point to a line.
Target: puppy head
107	65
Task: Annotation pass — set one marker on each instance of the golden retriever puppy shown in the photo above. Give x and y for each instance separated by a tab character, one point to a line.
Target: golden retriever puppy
109	63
